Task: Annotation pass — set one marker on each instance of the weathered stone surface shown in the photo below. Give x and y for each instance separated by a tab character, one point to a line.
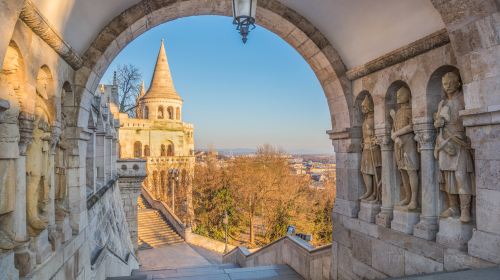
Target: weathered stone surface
362	248
365	271
388	259
361	226
457	260
416	264
368	211
485	246
453	233
404	221
342	235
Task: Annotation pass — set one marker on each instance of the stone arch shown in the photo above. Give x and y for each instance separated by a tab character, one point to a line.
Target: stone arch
272	15
160	114
44	82
147	151
137	149
357	105
170	111
390	100
163	150
170	150
146	112
434	92
13	67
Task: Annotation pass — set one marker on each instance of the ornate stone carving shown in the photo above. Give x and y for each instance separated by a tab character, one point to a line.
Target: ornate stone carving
434	40
38	172
371	161
36	21
405	149
9	149
453	151
426	139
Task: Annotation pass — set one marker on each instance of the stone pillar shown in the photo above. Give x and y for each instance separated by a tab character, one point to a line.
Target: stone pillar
131	174
77	139
24	257
108	157
100	159
390	180
349	182
483	128
428	226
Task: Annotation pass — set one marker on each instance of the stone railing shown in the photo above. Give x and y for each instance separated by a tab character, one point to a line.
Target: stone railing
309	262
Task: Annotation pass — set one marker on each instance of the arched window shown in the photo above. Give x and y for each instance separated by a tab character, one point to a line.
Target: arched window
146	112
137	149
163	151
170	113
170	150
147	152
160	112
178	113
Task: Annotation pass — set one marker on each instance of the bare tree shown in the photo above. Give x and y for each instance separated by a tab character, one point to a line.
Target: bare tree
128	80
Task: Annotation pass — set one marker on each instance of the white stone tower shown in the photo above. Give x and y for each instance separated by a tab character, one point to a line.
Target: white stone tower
161	101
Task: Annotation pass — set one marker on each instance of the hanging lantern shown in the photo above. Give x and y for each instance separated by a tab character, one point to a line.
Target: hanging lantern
244	16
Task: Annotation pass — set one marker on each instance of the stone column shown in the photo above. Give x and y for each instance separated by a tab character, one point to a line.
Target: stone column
390	180
108	157
77	139
349	182
425	134
131	174
24	257
100	159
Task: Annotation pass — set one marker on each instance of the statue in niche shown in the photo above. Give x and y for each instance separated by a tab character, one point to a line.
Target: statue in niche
405	150
9	146
453	151
371	159
38	172
60	171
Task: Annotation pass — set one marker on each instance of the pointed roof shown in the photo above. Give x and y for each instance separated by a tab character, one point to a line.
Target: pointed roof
162	85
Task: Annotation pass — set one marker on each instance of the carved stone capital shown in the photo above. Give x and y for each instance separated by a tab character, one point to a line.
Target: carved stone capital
426	139
4	106
26	127
385	142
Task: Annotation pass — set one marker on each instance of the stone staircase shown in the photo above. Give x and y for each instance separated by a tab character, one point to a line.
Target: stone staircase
154	230
217	272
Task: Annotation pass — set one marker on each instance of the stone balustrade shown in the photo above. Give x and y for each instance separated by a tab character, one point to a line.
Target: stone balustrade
309	262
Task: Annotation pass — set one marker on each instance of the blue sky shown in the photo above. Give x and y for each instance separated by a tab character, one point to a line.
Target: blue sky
237	96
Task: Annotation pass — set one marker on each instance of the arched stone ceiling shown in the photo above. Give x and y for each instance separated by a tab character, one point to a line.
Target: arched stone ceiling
360	30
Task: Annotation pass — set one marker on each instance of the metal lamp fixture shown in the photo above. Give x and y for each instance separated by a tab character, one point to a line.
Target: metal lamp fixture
244	16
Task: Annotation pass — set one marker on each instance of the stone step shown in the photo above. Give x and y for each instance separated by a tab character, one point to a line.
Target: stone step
227	271
159	235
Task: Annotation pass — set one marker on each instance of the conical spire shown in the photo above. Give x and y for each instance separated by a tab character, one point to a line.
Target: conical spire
162	85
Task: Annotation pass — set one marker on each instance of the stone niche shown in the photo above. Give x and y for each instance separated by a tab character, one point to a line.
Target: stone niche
425	218
55	220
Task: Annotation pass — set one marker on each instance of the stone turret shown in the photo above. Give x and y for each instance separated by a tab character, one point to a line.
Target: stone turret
161	101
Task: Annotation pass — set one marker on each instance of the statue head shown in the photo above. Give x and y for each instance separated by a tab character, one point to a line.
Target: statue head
451	82
403	95
11	61
367	105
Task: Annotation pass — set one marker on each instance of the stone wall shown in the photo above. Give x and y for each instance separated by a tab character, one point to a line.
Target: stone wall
62	215
311	263
379	239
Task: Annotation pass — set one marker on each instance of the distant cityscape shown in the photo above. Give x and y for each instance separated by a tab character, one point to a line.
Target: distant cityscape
320	168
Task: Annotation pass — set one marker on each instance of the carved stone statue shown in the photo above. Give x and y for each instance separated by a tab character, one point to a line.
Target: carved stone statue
9	149
405	148
453	151
37	169
60	171
371	159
